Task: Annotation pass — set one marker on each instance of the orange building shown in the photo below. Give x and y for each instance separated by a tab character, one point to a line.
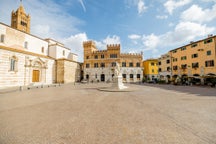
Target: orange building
195	60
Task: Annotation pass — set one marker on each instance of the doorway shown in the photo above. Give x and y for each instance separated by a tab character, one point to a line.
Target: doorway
35	76
102	77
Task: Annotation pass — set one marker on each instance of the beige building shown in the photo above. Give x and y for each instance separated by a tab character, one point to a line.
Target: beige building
196	59
26	59
164	67
99	64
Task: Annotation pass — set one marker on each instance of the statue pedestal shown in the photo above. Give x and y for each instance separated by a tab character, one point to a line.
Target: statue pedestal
118	84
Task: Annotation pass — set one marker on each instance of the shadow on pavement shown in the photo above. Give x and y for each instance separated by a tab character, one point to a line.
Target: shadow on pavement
197	90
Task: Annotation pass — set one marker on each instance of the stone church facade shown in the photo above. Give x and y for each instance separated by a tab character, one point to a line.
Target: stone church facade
26	59
99	65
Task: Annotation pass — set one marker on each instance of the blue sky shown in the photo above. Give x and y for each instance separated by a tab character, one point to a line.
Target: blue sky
151	26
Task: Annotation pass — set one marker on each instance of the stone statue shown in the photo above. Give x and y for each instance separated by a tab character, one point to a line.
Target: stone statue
117	69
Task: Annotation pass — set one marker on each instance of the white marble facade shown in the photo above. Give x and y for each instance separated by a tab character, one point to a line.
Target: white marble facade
26	59
107	74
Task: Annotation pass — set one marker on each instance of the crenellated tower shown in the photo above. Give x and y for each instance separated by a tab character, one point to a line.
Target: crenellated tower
20	20
89	48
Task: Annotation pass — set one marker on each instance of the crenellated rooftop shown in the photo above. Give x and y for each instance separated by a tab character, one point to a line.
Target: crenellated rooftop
131	55
113	47
89	43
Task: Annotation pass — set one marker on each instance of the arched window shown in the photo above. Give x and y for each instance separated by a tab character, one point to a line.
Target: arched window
13	63
2	38
42	49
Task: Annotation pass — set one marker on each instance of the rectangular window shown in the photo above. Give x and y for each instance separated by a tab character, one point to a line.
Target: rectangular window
184	66
87	65
102	65
26	45
168	68
194	45
12	64
175	51
152	64
102	56
194	55
183	48
138	76
131	76
183	57
137	64
2	38
208	52
152	70
113	64
195	65
167	61
208	41
209	63
175	67
159	63
96	65
175	59
131	64
124	76
87	57
96	56
63	52
113	55
159	70
123	64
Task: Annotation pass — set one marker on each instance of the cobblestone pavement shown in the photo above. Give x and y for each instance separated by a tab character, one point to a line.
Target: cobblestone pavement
80	114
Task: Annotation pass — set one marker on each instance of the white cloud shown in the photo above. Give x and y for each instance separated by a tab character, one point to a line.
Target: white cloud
197	14
141	7
75	42
134	36
112	40
139	4
48	19
161	16
184	32
108	40
42	30
151	42
171	24
171	5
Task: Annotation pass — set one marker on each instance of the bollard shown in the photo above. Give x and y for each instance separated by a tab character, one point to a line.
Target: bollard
21	88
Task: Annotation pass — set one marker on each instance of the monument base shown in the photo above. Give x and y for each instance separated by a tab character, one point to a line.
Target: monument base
118	84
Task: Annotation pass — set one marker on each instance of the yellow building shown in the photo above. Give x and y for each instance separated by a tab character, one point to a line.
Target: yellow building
150	69
196	59
20	20
99	64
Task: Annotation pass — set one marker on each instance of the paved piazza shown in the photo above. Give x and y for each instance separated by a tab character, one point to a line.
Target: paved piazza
81	114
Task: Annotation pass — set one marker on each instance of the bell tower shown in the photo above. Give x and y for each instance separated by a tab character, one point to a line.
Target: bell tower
20	20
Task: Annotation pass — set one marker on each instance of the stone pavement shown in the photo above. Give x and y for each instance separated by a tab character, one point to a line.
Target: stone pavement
80	114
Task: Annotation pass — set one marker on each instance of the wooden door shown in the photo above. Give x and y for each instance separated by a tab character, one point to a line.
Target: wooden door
35	76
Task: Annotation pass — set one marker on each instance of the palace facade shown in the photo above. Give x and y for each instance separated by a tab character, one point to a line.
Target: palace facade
99	65
26	59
